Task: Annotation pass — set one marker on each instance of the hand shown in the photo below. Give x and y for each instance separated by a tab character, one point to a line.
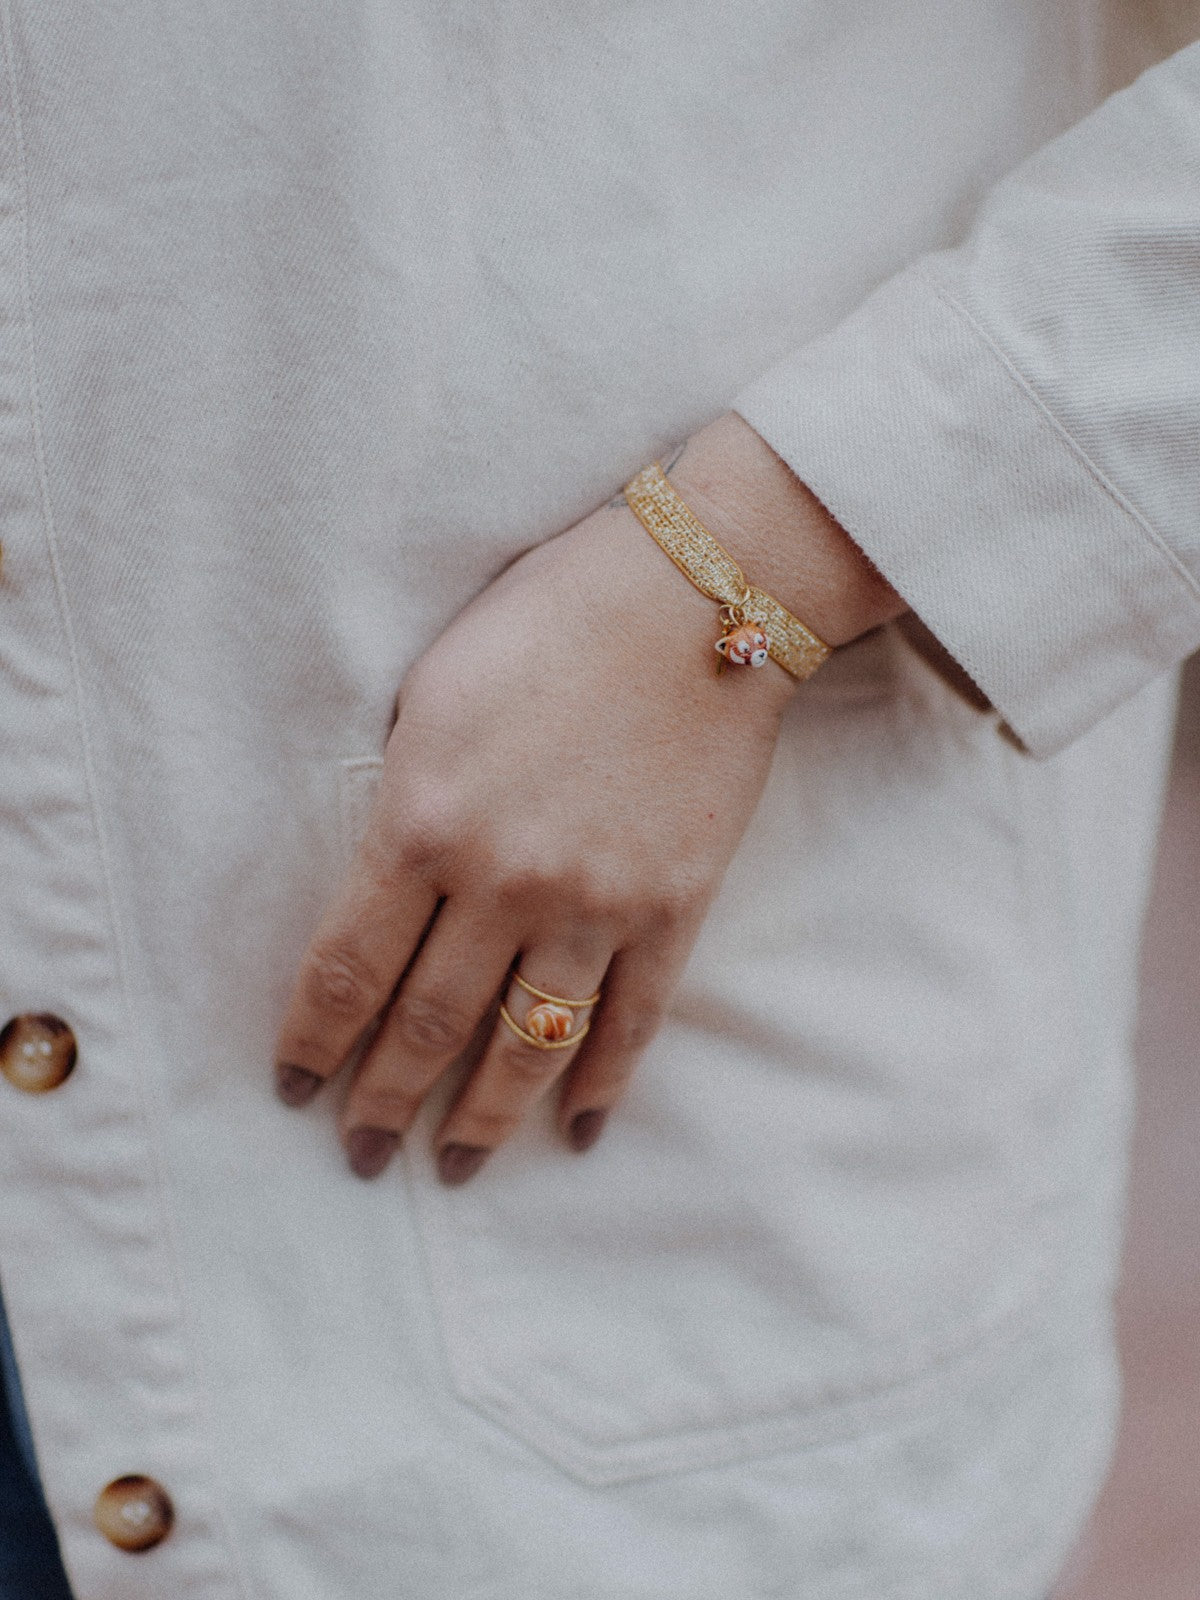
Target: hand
563	789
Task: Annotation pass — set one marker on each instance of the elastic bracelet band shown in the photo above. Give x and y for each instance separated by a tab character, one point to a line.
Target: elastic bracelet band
680	533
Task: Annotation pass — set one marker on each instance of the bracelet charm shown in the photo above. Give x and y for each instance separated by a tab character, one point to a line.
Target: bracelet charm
754	625
743	645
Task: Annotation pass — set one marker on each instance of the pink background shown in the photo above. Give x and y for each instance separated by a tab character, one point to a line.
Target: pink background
1144	1540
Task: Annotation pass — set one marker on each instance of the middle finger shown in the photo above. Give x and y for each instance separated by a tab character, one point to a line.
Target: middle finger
453	982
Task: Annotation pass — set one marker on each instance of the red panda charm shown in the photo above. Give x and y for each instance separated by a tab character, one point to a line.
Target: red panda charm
744	646
550	1022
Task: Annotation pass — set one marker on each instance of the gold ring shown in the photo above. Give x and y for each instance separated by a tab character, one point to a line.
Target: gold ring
555	999
564	1043
549	1025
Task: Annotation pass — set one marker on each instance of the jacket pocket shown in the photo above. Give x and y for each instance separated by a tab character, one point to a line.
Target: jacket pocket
810	1214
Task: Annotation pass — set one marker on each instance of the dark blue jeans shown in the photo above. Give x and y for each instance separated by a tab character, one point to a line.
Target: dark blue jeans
30	1568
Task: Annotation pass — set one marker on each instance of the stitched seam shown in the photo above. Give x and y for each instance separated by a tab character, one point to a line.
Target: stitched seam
91	782
1153	538
878	1413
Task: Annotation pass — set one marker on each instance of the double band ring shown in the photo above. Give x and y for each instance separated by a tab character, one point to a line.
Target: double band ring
549	1025
554	999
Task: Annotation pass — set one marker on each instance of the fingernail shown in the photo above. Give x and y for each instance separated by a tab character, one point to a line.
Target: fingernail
294	1085
586	1128
458	1162
370	1150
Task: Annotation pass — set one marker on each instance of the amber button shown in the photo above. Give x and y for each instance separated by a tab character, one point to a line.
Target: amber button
37	1053
134	1513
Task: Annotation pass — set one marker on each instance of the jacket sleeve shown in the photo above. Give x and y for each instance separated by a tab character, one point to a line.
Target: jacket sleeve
1011	428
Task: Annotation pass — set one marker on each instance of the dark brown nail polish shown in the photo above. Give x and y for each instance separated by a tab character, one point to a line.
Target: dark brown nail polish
370	1150
458	1162
295	1085
586	1128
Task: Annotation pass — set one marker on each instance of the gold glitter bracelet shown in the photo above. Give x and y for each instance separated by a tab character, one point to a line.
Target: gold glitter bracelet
755	624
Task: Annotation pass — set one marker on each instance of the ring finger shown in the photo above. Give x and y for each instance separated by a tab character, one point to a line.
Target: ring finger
549	1013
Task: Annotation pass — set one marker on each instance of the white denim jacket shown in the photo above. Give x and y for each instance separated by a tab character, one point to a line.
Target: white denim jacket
311	318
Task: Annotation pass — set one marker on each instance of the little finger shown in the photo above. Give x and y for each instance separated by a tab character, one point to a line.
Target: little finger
637	992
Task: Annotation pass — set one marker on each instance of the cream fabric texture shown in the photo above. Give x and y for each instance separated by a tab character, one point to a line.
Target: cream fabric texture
311	318
1010	428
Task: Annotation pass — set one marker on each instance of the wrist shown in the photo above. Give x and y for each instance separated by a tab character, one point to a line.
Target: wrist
781	535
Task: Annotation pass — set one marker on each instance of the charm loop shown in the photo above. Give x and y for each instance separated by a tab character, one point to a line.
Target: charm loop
733	612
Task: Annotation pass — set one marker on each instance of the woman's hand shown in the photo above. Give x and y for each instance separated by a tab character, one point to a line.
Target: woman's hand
563	789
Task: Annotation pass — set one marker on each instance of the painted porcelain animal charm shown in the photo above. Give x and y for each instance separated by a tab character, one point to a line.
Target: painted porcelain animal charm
744	646
550	1022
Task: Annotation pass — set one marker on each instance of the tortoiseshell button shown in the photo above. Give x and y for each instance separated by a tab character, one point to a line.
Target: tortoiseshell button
134	1513
37	1053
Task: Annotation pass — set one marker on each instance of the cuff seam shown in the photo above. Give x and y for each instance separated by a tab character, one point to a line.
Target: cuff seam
1153	538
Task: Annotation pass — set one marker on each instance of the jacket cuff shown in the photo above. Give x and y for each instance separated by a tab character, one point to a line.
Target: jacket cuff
929	447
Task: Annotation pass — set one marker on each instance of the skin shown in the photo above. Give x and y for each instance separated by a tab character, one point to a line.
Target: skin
584	852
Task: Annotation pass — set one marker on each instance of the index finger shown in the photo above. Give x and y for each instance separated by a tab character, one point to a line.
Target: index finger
353	962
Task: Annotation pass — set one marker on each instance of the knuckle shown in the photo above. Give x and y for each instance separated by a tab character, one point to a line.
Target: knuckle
422	836
602	1093
484	1126
599	898
629	1032
678	901
381	1107
578	895
423	846
526	1067
426	1025
338	982
520	884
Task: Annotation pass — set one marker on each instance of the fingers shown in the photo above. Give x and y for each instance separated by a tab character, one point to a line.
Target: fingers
453	983
637	991
350	968
550	1029
525	1057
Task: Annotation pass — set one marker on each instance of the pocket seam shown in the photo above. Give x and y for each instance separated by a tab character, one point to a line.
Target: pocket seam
533	1418
357	776
856	1417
